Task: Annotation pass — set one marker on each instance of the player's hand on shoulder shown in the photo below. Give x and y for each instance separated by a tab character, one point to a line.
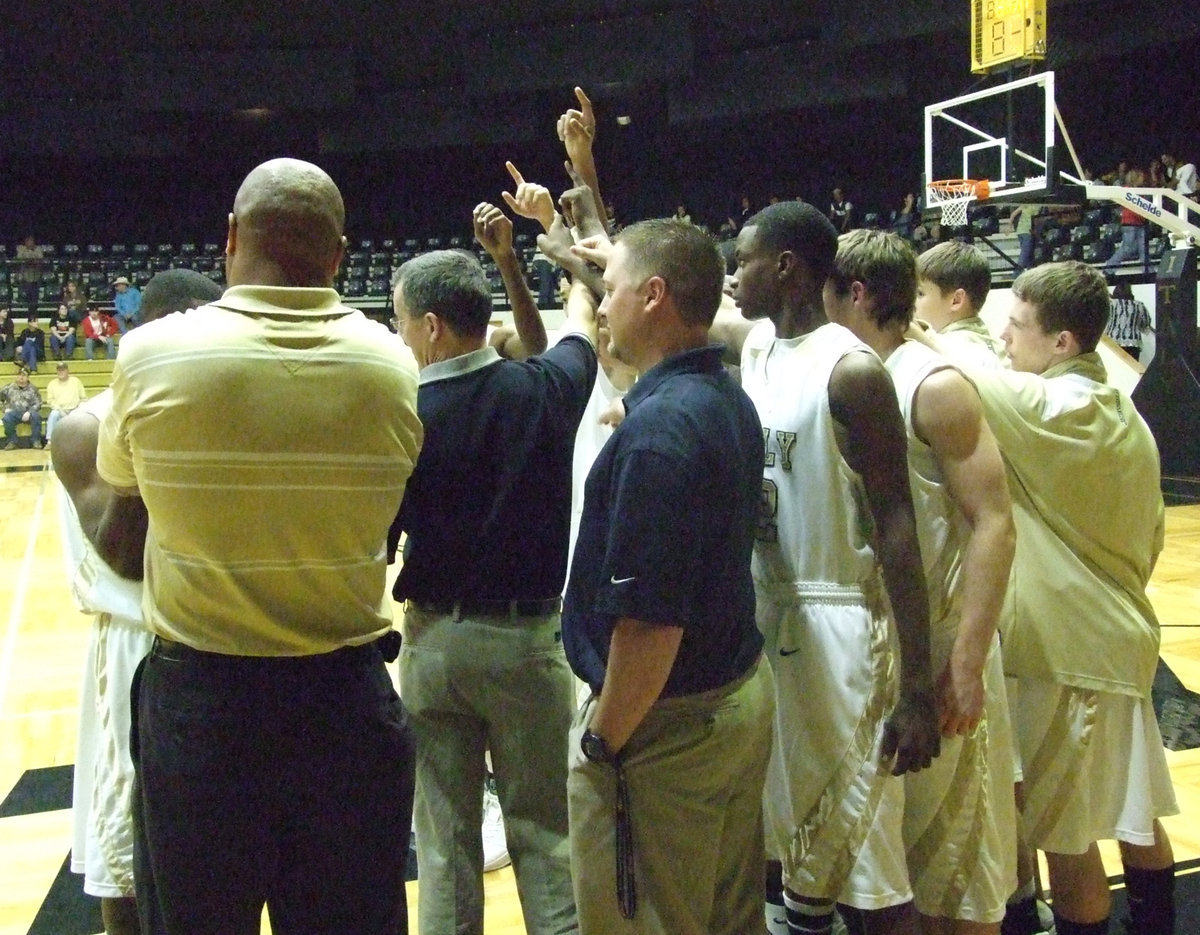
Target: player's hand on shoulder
911	736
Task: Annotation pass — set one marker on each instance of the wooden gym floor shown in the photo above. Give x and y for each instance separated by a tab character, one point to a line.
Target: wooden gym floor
43	640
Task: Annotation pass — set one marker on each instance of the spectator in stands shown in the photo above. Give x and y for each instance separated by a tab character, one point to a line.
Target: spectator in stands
1128	320
906	219
735	221
547	274
22	403
62	334
8	340
1022	223
127	302
745	211
31	345
75	298
1133	227
1155	176
30	258
1182	178
64	393
841	211
99	327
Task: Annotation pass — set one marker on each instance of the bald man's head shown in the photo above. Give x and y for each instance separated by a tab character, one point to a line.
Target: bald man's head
289	215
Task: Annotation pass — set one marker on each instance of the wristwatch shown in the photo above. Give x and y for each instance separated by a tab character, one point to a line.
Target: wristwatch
595	748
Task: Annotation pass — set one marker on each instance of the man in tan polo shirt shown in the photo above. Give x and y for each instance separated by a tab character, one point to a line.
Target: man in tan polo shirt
267	439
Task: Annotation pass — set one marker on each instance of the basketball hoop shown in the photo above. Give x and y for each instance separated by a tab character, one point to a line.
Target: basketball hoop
953	196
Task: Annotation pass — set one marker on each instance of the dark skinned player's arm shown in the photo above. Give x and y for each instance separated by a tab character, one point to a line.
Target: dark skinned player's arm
872	439
115	522
494	231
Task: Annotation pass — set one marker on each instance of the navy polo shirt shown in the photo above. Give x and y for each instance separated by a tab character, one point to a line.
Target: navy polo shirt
669	513
487	510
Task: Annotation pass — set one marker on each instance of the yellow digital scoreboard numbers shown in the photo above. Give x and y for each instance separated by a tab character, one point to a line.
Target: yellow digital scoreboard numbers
1006	31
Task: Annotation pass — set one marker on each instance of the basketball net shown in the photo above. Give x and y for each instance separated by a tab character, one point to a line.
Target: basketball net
953	196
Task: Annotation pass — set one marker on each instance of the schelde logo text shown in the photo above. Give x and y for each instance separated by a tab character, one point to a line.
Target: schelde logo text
1143	204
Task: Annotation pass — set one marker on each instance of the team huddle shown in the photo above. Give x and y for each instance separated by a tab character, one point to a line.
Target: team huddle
868	622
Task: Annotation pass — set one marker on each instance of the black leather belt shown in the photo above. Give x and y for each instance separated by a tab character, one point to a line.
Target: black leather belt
388	646
481	607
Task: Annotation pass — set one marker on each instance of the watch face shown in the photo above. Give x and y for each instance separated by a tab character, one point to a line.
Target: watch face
594	747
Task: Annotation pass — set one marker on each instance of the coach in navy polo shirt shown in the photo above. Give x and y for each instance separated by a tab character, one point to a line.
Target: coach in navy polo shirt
669	755
487	516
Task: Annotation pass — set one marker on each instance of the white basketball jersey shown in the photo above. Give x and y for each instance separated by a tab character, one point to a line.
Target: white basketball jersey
941	528
589	439
96	587
815	524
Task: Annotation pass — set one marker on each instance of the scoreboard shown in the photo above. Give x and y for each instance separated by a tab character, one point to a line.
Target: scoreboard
1006	31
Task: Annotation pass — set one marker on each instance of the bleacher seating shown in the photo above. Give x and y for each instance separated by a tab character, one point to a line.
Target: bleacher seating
366	275
95	375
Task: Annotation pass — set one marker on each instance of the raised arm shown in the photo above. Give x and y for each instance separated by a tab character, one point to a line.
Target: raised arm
947	416
862	401
581	311
579	208
577	130
115	525
494	231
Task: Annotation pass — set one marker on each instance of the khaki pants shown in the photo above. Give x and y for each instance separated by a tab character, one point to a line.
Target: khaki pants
695	769
501	683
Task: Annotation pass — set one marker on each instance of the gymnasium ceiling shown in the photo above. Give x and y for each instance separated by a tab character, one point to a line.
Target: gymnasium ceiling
145	78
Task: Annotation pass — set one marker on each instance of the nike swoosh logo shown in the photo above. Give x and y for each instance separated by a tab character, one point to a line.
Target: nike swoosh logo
789	652
615	580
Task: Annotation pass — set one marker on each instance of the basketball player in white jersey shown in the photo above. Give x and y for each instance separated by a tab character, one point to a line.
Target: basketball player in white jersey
959	814
953	281
837	528
106	582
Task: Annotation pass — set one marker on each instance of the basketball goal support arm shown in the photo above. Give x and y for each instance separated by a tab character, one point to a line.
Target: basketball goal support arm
1150	203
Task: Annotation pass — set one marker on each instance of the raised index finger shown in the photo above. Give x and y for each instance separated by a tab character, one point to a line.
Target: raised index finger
512	170
585	105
